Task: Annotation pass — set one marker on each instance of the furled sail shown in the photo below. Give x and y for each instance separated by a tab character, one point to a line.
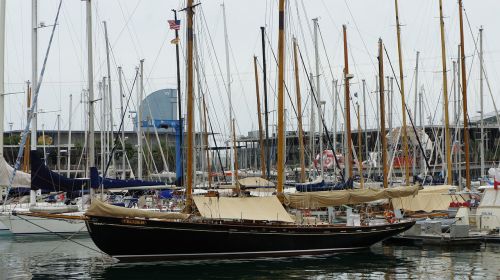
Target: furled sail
315	200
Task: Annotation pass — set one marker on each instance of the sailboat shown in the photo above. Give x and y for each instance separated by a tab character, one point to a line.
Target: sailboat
223	227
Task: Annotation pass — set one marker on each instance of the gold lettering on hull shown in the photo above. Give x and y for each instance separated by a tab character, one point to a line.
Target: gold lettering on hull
133	222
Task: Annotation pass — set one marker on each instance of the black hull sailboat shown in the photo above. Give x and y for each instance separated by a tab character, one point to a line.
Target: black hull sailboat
235	227
165	240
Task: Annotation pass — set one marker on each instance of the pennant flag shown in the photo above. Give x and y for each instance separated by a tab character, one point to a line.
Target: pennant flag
174	24
175	41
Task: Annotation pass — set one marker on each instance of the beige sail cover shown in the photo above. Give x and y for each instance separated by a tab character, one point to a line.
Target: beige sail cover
266	208
102	209
22	179
432	198
255	182
315	200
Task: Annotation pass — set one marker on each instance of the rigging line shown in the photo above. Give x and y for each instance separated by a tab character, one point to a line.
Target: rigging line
308	23
115	142
32	109
209	40
60	235
201	66
215	55
321	116
128	27
408	112
484	70
286	87
361	37
241	84
210	99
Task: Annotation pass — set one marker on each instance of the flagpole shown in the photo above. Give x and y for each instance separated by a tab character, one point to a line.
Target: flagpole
180	180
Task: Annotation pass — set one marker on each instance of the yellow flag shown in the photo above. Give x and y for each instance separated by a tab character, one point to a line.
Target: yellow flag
175	41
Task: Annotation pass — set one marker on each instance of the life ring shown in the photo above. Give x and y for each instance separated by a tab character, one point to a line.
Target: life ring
389	216
307	213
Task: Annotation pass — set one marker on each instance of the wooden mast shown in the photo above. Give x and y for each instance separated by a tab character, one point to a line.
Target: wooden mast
449	173
281	98
349	161
382	109
26	157
190	104
259	114
299	114
403	104
464	98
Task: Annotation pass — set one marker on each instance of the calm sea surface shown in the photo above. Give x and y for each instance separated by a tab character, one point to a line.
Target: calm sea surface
53	258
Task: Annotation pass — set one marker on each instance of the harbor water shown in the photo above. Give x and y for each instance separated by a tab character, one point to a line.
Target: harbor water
35	257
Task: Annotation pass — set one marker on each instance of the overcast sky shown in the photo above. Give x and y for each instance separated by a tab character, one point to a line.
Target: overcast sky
139	30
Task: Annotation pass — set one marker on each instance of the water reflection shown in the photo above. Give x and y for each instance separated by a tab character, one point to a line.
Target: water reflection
53	258
364	264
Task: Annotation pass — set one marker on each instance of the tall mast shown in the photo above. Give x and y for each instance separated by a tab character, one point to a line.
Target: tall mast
26	159
335	106
259	115
139	118
228	80
403	104
90	78
205	126
364	118
318	97
415	114
34	80
266	115
299	114
464	99
2	73
423	166
281	98
390	97
457	122
235	153
58	143
190	104
179	168
347	76
68	165
34	67
360	149
447	136
120	83
102	135
382	110
110	96
481	66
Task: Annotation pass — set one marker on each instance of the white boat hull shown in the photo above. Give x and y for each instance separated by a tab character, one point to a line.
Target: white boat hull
3	227
24	224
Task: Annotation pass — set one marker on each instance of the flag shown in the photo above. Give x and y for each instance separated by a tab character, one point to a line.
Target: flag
175	41
174	24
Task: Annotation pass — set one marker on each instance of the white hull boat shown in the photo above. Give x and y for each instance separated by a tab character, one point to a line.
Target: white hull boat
25	223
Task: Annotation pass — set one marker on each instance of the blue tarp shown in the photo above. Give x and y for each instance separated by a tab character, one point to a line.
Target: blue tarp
109	183
45	179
